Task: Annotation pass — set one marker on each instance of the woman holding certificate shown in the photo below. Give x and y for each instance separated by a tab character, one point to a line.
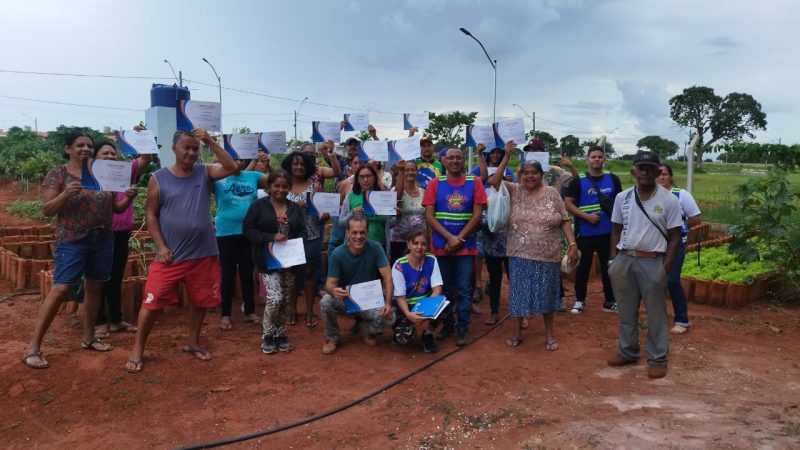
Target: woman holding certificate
302	168
109	317
411	213
366	180
534	246
415	276
84	244
268	220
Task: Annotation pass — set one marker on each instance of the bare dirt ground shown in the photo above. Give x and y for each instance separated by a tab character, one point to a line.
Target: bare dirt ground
734	381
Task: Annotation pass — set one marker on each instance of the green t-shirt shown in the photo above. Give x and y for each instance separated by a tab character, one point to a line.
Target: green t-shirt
377	224
354	269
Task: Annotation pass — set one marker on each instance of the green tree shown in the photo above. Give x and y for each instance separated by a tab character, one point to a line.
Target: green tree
17	146
608	147
730	118
664	148
446	129
571	145
243	130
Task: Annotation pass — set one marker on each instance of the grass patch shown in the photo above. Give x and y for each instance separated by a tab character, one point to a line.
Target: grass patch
31	209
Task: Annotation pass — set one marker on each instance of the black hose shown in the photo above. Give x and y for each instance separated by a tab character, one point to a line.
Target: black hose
18	294
247	437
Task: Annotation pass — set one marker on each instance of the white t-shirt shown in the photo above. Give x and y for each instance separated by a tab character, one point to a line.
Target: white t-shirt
399	280
638	233
688	205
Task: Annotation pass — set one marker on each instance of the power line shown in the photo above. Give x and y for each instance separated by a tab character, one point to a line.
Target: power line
69	104
83	75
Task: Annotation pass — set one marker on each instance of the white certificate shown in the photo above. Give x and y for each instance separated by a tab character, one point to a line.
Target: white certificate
377	150
381	203
272	141
106	175
406	149
326	131
419	120
356	122
510	130
134	143
364	296
241	146
318	203
281	255
491	171
193	114
542	157
480	134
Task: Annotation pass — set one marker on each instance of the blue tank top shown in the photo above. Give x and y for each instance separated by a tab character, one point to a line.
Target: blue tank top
589	202
185	213
418	282
454	210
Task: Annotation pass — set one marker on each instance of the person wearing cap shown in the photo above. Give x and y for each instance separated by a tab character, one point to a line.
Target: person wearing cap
644	243
491	246
351	151
590	199
428	168
453	207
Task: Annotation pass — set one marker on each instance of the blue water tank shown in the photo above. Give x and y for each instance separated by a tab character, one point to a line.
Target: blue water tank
168	96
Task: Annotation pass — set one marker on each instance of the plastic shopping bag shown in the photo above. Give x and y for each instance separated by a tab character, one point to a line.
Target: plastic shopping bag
498	209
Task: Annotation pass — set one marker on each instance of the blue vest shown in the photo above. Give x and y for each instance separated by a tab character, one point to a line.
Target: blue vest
685	226
589	202
454	210
418	282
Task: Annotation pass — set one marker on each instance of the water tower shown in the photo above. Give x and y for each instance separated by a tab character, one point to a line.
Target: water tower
161	117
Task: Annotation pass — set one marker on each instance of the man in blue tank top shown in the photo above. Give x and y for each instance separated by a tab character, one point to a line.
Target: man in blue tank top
178	215
590	198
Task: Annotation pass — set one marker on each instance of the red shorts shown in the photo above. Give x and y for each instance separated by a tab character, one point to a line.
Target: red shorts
200	276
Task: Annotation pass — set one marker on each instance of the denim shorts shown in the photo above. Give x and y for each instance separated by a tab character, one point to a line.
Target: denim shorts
90	257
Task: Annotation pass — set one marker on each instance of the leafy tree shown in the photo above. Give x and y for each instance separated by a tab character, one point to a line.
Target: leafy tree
363	136
15	147
730	118
446	129
664	148
608	147
244	130
571	145
783	156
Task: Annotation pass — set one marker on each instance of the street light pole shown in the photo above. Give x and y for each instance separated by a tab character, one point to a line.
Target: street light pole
296	112
35	122
219	80
532	116
493	62
180	83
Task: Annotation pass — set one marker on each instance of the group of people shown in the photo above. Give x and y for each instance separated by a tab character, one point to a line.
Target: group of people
433	246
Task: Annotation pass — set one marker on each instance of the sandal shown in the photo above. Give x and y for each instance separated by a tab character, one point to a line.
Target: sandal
679	329
122	327
513	342
102	332
252	318
43	364
96	344
491	320
551	346
292	320
134	365
225	323
198	353
310	322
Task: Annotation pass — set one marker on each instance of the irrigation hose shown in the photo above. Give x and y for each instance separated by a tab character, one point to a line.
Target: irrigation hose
350	404
18	294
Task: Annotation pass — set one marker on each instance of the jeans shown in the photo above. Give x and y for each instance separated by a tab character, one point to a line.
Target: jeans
111	306
587	246
235	251
675	289
457	277
495	266
330	308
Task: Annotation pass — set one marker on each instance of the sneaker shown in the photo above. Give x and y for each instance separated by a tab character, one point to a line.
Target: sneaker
329	347
618	361
577	308
370	340
282	342
444	333
611	308
268	345
657	371
462	339
428	344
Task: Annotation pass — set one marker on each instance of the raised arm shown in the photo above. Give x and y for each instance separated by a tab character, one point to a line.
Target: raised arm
123	203
326	149
483	171
226	164
497	177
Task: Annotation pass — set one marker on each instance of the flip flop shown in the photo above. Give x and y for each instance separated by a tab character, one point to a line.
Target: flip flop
134	365
96	344
679	329
292	319
551	346
512	342
43	364
491	320
310	322
225	325
122	327
102	332
198	353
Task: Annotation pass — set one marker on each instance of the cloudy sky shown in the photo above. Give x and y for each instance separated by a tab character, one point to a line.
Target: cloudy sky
585	67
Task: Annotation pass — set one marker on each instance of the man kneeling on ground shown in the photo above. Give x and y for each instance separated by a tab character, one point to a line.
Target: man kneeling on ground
357	261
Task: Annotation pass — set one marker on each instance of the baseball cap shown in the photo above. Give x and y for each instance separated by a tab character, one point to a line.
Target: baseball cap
646	158
425	140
